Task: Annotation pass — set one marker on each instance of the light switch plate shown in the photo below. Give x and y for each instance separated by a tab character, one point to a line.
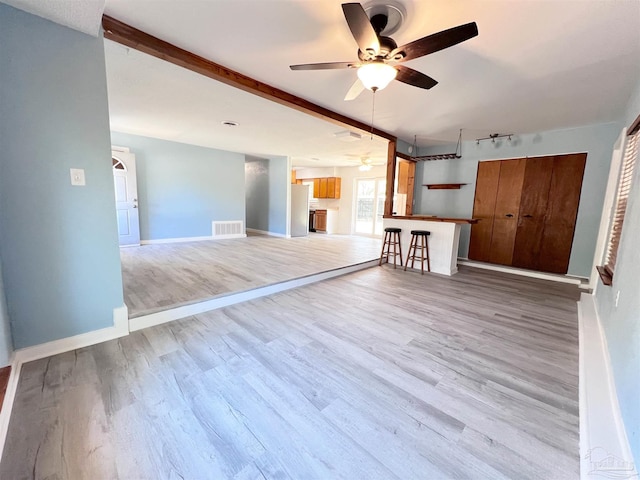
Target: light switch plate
77	177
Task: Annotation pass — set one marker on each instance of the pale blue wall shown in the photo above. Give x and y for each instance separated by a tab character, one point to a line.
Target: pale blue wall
58	243
596	140
183	188
622	323
257	193
403	147
279	179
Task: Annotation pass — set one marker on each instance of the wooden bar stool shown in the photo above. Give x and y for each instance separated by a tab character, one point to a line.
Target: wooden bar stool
424	248
391	242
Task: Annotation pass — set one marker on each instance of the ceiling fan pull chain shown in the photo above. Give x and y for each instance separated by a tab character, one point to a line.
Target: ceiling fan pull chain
373	109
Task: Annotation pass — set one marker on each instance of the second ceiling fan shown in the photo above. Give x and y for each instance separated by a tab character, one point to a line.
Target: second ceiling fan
379	55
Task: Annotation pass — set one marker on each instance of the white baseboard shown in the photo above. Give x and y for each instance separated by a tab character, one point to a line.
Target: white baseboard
520	271
271	234
226	237
138	323
604	446
174	240
119	329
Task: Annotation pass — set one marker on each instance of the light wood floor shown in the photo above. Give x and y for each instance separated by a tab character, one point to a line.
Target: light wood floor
158	277
381	374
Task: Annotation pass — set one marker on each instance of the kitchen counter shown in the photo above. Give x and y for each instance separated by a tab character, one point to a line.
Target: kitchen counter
443	241
433	218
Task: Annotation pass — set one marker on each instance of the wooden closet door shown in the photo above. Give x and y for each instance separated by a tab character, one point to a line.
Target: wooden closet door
484	205
505	222
562	211
533	208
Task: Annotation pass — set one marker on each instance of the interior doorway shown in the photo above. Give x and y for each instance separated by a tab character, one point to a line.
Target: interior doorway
126	190
369	206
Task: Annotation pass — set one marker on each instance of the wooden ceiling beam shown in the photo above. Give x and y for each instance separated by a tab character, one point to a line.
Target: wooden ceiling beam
131	37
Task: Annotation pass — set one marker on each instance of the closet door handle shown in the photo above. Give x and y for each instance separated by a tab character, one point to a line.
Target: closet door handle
509	215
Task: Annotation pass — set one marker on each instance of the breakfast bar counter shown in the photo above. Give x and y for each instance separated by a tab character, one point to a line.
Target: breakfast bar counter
443	241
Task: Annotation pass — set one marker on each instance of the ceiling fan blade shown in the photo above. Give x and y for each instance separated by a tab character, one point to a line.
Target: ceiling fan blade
324	66
355	90
361	28
415	78
436	42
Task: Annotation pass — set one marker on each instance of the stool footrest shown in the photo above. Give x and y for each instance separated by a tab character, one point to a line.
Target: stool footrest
391	246
412	254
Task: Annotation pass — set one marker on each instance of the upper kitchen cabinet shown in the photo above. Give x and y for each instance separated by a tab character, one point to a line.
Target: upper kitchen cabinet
328	187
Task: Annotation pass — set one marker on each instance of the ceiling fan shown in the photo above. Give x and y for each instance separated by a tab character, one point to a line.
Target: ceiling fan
379	55
365	162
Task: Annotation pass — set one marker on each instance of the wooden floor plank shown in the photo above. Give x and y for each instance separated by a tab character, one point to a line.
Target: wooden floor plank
377	374
161	276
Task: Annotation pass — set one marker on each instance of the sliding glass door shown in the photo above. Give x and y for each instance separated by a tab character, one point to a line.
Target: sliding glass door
369	206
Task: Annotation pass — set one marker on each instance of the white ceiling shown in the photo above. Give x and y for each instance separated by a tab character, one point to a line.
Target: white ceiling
536	64
154	98
82	15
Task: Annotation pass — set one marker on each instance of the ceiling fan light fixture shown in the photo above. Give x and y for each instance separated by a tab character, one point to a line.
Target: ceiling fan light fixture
376	75
365	168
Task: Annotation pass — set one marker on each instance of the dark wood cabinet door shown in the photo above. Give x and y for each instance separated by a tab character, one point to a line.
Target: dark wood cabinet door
507	211
533	208
484	205
562	211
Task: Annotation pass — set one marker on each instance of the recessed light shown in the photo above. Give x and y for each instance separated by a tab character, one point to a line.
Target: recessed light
230	124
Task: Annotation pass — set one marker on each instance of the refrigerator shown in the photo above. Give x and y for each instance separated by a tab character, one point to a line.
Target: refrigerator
299	210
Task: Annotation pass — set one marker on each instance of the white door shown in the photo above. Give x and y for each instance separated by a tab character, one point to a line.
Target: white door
126	186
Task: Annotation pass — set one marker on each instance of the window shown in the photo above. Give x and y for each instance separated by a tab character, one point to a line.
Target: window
622	194
117	164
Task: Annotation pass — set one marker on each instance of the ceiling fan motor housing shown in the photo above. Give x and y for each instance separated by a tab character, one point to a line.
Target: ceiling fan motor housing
387	44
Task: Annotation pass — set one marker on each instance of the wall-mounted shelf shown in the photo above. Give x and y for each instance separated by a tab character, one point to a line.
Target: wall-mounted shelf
443	186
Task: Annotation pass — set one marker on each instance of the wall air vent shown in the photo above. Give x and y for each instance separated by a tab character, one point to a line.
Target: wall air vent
229	229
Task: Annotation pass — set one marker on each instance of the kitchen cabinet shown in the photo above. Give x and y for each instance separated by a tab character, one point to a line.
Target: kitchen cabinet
527	210
321	221
327	187
326	221
323	188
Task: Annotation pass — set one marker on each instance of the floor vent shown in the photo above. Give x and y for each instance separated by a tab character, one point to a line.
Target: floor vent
231	229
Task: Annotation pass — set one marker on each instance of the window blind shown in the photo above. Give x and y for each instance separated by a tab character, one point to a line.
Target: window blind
622	195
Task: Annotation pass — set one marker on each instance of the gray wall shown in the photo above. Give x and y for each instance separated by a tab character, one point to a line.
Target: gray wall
279	180
596	140
622	323
183	188
256	175
58	243
267	182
